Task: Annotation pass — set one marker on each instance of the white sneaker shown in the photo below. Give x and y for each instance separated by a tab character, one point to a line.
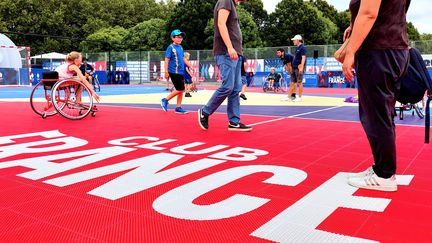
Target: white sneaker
373	182
298	99
369	171
285	99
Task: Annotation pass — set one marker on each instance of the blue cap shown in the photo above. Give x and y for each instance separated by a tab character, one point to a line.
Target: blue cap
177	32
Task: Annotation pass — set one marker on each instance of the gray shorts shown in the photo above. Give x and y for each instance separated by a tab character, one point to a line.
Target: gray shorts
296	77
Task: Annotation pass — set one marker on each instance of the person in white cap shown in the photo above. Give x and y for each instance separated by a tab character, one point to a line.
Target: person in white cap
299	67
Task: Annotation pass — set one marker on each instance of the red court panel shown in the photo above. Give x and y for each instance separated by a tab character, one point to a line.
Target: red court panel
143	175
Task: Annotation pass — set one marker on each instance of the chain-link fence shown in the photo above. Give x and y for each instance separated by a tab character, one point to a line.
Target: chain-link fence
143	67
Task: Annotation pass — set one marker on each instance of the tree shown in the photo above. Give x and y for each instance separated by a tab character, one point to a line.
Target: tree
251	37
191	16
413	33
341	20
146	36
105	39
256	9
426	37
250	30
293	17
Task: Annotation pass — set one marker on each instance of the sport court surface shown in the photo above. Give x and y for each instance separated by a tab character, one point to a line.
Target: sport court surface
135	173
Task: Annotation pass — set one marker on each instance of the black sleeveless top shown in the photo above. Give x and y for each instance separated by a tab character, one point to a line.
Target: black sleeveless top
390	29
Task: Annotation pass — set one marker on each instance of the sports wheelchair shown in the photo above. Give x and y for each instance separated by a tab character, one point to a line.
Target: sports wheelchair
68	97
278	86
94	80
414	108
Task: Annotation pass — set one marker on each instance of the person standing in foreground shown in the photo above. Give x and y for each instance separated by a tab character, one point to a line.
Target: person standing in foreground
227	47
174	69
378	48
299	67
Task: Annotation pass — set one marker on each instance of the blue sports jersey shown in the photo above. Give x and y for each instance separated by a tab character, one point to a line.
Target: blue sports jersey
288	58
186	74
300	51
175	55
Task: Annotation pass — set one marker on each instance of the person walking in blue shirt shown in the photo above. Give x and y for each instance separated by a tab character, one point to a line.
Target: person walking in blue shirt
299	67
174	69
227	47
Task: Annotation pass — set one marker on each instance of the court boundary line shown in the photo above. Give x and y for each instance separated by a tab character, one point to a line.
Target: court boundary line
277	118
297	115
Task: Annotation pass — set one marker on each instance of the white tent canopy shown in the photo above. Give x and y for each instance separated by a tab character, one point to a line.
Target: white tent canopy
51	55
9	54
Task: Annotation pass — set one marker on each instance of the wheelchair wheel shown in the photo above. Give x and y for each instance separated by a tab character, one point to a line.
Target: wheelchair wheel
418	111
95	83
40	101
73	99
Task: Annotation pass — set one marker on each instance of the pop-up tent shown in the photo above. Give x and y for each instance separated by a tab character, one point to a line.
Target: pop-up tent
49	56
9	54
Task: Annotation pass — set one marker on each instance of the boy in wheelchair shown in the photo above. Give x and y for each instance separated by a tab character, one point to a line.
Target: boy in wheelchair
70	69
273	80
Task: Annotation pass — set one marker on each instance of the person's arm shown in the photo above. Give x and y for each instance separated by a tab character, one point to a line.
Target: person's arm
91	68
168	54
188	64
347	33
166	67
364	21
288	67
301	65
83	79
223	30
188	70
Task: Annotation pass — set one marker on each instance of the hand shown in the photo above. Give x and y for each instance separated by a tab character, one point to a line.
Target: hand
166	75
96	97
233	53
347	33
300	67
347	66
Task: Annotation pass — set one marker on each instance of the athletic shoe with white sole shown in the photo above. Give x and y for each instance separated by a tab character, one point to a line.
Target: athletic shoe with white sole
164	104
180	110
203	119
239	127
369	171
373	182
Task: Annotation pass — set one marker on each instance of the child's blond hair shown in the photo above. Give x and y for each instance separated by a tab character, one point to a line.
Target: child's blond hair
73	56
187	55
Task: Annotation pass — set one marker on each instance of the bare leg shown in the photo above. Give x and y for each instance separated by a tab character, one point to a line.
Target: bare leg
300	91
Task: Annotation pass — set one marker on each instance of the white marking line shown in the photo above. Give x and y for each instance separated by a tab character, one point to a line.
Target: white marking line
292	116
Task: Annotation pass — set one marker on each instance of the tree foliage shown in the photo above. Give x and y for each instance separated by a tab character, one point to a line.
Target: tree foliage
413	33
293	17
146	36
105	39
87	25
251	35
191	17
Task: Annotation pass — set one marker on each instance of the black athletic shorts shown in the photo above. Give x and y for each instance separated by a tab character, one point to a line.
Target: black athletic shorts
178	81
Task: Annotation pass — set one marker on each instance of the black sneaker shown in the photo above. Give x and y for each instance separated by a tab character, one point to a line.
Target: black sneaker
243	96
203	119
239	127
188	95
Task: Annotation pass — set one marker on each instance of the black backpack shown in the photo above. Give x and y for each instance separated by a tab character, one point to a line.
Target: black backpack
414	85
